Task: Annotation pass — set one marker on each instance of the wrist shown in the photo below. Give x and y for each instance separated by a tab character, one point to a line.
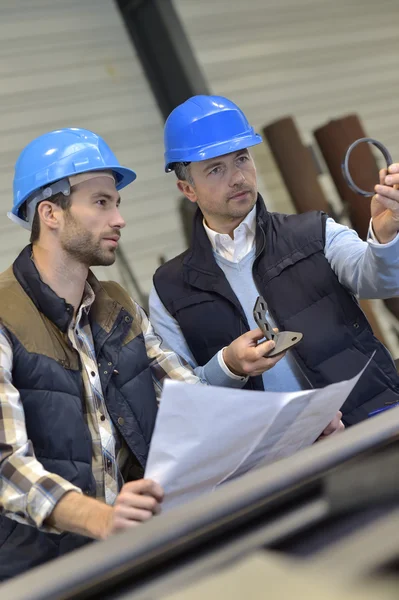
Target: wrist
80	514
98	522
387	238
384	235
230	363
232	378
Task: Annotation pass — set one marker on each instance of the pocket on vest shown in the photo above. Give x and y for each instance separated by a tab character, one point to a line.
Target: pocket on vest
325	332
193	300
206	323
312	247
346	365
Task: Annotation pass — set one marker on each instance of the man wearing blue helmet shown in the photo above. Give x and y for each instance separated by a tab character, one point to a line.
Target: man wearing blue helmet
307	267
80	366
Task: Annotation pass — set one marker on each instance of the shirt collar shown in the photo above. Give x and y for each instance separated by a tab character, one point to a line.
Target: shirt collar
249	223
88	295
84	308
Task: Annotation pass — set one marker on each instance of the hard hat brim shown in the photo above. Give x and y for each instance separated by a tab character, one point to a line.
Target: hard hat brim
212	151
124	177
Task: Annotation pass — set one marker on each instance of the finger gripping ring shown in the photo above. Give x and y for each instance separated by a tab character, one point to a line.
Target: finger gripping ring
345	164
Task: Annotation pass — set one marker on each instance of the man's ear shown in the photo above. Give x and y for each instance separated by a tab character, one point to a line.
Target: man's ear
50	214
187	190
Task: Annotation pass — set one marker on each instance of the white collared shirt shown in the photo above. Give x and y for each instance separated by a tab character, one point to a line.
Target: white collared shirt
234	249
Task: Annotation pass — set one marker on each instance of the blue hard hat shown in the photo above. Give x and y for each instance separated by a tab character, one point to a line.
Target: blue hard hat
205	127
58	155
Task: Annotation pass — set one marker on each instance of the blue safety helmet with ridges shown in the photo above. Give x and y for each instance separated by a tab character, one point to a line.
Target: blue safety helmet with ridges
204	127
52	158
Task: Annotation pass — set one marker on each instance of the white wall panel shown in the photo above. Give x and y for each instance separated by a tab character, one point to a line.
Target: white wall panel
70	63
314	59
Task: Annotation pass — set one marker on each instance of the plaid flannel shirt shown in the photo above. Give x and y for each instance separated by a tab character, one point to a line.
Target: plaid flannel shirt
28	493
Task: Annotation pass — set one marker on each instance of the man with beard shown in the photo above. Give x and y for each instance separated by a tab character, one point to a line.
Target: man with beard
80	366
307	267
77	393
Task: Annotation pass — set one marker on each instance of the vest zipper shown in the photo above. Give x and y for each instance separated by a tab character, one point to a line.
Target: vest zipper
270	312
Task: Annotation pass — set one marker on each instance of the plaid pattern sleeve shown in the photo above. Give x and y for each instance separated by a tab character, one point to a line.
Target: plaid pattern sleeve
163	362
28	493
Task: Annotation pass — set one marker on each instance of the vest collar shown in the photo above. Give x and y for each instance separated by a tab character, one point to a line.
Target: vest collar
104	308
199	266
200	256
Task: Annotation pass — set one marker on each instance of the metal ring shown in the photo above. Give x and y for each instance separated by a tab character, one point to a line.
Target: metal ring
345	164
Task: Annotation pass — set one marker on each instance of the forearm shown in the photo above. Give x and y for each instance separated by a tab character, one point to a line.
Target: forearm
372	277
27	489
368	269
214	372
376	274
82	515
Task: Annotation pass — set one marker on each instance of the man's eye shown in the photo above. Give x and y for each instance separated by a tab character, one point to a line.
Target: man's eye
215	171
102	202
243	158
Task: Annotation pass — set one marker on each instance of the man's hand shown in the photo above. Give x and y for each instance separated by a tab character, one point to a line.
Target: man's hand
335	426
385	205
136	503
246	357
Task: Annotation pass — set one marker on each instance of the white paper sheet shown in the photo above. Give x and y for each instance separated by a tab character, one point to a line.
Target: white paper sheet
206	435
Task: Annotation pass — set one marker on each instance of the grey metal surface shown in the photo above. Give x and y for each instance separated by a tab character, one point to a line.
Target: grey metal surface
177	532
269	575
363	552
216	558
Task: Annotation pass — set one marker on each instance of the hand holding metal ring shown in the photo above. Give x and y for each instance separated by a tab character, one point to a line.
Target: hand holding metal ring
345	164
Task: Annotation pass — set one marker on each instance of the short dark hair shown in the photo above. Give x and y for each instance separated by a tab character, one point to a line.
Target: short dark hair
183	172
60	200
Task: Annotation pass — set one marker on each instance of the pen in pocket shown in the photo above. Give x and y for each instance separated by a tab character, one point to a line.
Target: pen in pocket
380	410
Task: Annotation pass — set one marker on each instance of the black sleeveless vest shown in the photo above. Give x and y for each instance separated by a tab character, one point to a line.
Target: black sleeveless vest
303	294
